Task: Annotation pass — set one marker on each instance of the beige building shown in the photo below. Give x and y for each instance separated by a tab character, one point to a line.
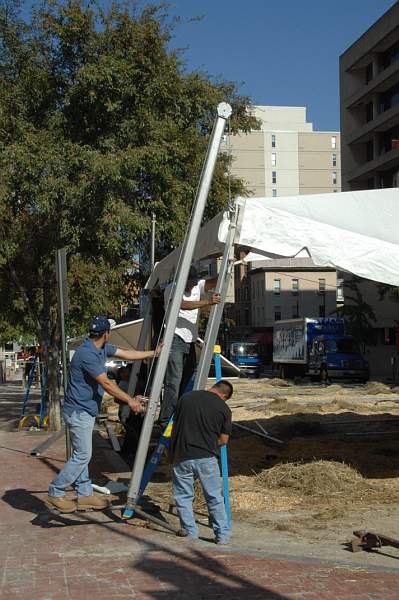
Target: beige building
369	101
289	289
286	157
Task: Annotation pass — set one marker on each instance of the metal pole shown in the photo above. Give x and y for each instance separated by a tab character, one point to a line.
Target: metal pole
152	257
223	113
223	449
216	312
61	295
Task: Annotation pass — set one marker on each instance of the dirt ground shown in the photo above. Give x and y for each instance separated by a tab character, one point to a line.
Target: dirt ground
332	468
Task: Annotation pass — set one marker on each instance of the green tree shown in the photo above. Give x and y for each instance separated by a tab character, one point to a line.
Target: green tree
100	125
358	314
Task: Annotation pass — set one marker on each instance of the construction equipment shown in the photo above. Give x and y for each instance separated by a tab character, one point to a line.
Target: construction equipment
367	540
37	371
224	112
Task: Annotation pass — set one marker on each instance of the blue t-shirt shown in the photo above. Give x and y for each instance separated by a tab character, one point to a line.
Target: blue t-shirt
83	392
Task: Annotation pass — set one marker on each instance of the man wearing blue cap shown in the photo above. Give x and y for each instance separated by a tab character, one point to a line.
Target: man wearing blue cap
87	380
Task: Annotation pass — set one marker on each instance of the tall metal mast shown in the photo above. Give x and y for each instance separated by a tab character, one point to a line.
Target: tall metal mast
223	113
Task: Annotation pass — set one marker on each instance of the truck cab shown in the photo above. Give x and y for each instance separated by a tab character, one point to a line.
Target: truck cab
246	356
337	357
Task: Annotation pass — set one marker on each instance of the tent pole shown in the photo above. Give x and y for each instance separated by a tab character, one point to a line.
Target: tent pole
216	313
223	113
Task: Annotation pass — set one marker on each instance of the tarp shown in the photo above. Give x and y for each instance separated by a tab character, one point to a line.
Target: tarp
356	232
125	335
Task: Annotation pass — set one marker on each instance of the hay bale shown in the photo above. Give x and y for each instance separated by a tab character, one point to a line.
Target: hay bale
279	382
376	387
316	478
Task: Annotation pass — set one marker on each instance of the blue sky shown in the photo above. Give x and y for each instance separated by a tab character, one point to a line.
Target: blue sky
281	52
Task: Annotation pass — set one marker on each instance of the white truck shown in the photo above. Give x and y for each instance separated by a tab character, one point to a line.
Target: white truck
317	347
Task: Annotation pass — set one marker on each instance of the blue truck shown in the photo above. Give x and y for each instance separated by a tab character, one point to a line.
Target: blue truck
246	356
319	348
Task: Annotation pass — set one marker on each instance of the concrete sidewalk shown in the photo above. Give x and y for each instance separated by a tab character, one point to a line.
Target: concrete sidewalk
43	556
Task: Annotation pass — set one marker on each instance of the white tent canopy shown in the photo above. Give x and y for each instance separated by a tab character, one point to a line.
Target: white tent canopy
356	232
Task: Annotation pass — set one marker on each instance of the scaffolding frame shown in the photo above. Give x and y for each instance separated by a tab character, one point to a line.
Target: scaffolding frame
223	113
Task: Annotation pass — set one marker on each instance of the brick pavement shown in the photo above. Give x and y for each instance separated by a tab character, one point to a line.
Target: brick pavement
93	555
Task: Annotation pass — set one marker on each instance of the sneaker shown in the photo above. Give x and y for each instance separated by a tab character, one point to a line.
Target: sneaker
222	541
92	503
62	504
182	532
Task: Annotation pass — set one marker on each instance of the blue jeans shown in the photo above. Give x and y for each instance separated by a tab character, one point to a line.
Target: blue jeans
207	471
181	366
76	471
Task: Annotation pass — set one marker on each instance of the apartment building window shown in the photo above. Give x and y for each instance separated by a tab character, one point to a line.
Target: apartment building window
334	160
369	112
334	177
238	294
277	286
273	140
274	193
322	310
369	150
333	142
295	311
295	286
389	98
390	56
368	73
274	176
274	159
340	291
277	313
322	286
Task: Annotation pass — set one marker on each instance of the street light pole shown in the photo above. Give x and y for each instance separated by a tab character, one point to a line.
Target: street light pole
152	255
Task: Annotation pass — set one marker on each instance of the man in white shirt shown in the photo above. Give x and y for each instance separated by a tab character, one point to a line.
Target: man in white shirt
181	365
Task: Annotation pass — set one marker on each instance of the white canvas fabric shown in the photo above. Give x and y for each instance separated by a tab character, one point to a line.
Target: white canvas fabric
356	232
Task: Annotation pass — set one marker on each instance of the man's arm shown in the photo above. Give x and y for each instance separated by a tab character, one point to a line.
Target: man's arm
193	304
137	354
120	396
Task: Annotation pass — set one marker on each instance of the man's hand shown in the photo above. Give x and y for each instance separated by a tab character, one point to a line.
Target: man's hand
135	405
158	350
214	299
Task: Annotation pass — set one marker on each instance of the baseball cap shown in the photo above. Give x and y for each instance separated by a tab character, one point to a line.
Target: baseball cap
99	324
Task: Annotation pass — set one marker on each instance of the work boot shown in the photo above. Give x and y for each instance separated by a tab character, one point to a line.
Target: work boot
92	502
62	504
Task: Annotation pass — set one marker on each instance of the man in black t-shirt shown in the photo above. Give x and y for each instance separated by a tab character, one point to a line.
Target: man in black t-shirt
202	423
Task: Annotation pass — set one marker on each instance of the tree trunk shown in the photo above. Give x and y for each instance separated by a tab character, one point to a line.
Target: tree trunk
54	407
49	343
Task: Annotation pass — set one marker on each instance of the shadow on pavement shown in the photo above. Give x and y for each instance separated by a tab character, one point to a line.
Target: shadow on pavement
192	573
